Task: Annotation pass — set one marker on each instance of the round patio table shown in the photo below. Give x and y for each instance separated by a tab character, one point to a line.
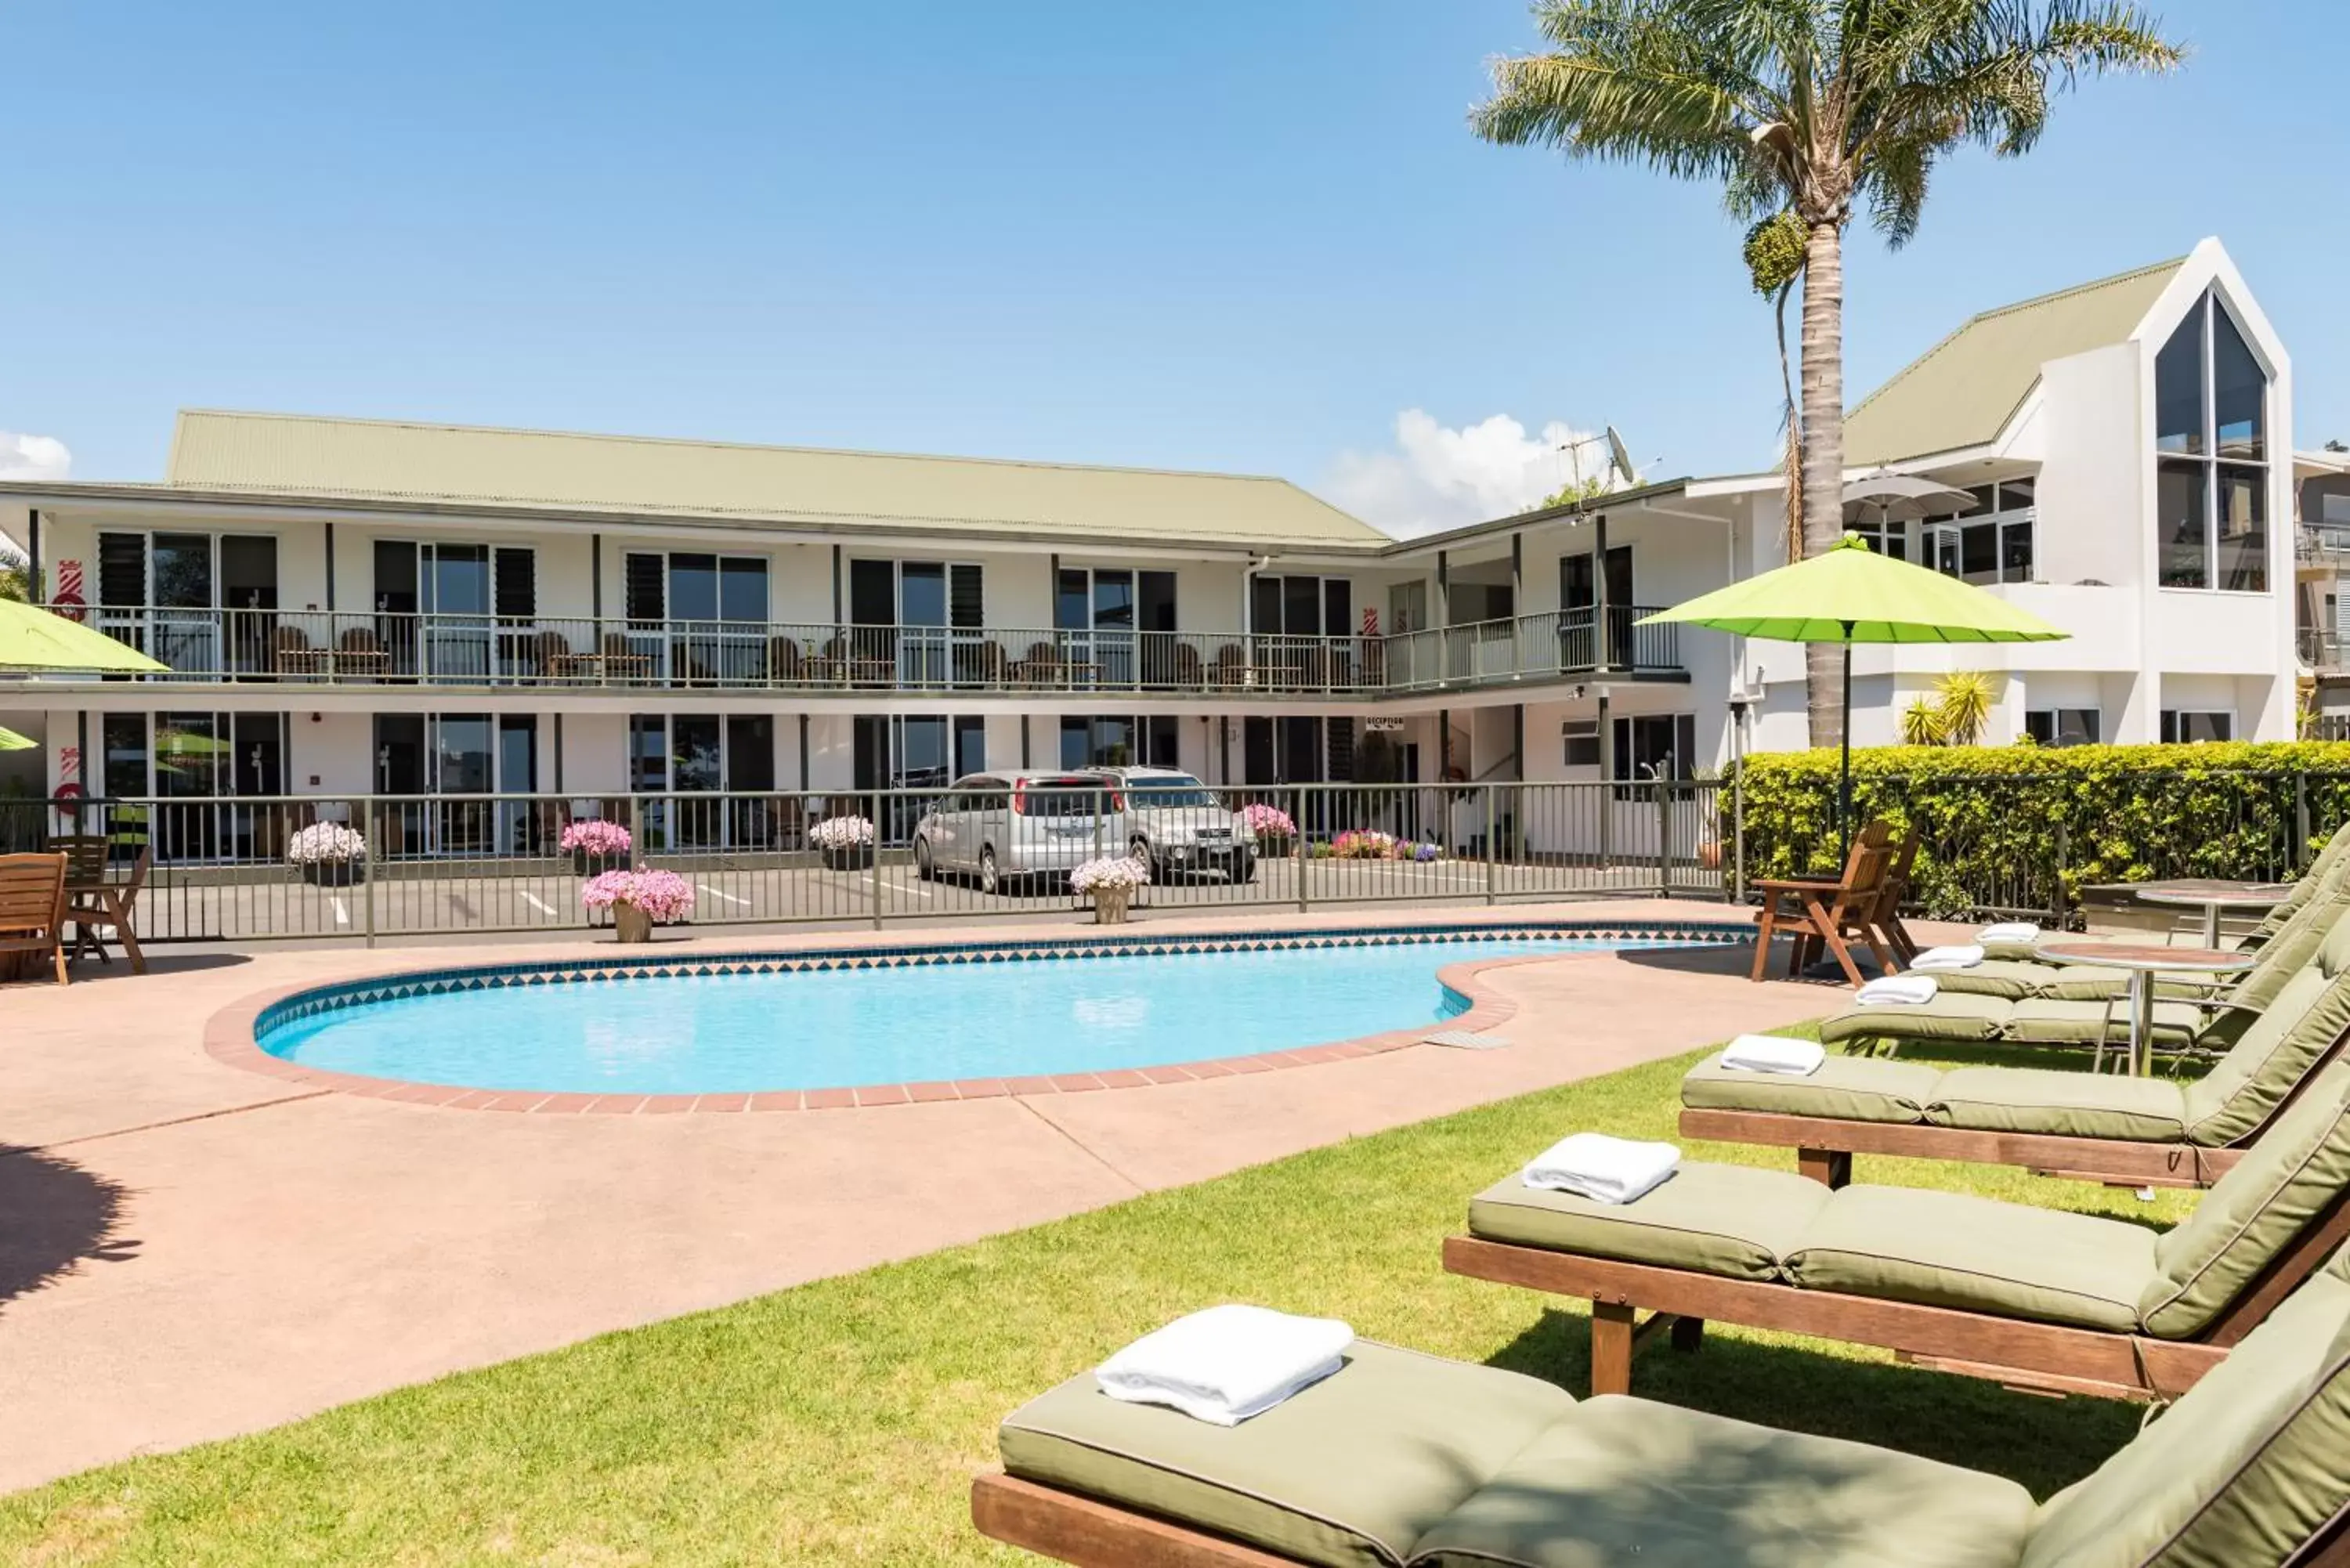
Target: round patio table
2143	962
2213	894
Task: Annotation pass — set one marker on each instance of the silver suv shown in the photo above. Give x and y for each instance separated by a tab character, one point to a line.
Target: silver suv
1012	824
1182	827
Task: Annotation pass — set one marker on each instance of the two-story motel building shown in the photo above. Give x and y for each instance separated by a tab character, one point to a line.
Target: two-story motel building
355	606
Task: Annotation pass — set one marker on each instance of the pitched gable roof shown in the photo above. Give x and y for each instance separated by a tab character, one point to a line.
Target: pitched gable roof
437	465
1962	392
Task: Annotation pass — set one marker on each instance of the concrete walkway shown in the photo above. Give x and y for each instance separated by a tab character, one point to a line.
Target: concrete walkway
190	1251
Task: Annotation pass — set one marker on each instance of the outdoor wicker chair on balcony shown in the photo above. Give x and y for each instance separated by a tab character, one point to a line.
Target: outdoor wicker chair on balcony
1229	672
542	656
784	662
360	655
290	653
1189	675
1041	666
981	665
622	662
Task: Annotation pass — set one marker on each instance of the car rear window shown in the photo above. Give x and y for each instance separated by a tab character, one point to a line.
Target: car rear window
1062	797
1167	792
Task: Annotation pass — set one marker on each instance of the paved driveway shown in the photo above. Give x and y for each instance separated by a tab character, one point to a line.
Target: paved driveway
188	1249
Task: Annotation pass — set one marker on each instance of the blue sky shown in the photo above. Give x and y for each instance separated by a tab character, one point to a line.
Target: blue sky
1229	235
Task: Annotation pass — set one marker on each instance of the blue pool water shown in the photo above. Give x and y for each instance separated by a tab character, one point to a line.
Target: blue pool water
837	1028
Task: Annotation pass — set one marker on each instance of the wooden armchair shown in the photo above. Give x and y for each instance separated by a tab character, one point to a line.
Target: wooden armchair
1886	920
360	652
1041	666
784	662
1822	914
621	660
1191	675
1229	672
290	653
31	911
103	908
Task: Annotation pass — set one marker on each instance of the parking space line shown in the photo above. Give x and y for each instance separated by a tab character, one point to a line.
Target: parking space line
342	911
536	902
738	903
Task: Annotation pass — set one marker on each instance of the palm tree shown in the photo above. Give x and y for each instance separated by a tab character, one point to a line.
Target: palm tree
1809	107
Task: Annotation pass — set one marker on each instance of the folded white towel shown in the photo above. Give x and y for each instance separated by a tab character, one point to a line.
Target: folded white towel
1774	1054
1911	989
1602	1168
1965	957
1226	1363
2009	932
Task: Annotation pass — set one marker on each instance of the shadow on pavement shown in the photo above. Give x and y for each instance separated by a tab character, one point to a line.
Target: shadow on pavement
55	1215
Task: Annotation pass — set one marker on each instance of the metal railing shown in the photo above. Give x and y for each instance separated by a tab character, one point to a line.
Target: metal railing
234	868
2318	648
371	647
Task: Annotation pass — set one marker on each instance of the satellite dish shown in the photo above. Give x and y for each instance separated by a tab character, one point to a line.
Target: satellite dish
1619	458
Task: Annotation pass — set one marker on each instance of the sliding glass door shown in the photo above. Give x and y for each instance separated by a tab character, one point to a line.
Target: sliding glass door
1115	625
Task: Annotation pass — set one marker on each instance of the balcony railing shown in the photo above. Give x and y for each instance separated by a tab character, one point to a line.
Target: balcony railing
343	648
2322	544
2319	649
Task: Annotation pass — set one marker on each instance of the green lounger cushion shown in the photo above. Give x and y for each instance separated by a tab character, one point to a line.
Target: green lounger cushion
2011	978
2046	1020
2240	1473
1626	1481
1847	1089
1955	1250
1348	1473
2275	1052
1729	1219
2067	1104
1952	1015
2295	1170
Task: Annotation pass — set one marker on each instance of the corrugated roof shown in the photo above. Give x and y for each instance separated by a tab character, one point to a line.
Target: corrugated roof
1962	392
392	460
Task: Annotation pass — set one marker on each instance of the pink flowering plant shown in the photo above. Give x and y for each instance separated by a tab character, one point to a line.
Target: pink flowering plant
1363	844
1269	822
1110	873
664	895
596	838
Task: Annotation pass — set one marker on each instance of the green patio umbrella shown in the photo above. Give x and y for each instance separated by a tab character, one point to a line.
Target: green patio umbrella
1849	595
33	638
12	741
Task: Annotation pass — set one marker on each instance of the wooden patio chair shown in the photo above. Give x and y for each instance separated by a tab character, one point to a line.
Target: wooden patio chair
784	662
1039	667
360	653
1823	914
621	662
31	911
111	907
1191	675
1899	876
1228	671
290	653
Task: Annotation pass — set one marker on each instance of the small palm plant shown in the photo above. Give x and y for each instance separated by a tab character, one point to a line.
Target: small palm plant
1963	700
1921	723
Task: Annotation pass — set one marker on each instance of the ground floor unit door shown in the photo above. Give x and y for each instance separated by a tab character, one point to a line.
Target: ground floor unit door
1117	741
193	784
706	781
439	772
922	752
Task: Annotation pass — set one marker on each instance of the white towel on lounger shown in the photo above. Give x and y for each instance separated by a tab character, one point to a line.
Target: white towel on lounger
1602	1168
1774	1054
2009	932
1226	1363
1962	956
1898	991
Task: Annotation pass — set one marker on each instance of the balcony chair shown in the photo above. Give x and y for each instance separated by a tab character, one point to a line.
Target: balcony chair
784	662
359	655
540	655
1229	671
1041	666
290	653
32	913
621	662
1190	674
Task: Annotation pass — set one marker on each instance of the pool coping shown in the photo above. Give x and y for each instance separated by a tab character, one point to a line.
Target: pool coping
231	1034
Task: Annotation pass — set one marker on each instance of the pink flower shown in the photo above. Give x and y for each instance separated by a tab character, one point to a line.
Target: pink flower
664	895
596	837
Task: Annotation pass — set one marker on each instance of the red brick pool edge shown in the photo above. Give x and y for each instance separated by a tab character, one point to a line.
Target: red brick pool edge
230	1037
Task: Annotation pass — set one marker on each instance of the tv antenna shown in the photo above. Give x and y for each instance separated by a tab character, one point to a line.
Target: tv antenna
1620	458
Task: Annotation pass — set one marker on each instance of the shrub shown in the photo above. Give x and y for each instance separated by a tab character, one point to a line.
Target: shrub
2020	826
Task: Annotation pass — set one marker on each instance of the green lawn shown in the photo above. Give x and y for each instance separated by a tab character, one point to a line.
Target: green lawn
842	1420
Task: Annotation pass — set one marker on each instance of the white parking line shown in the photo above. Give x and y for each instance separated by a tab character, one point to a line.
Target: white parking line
536	902
342	911
730	898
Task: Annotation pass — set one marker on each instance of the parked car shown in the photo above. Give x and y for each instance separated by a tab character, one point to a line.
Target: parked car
1182	827
1014	824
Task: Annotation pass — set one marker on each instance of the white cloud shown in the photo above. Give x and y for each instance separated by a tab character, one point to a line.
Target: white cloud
1437	477
33	456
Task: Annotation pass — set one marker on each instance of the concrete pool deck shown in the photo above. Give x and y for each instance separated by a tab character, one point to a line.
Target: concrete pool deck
189	1250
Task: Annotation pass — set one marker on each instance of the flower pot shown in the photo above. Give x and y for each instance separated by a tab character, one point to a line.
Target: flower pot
849	856
334	873
586	864
1708	854
1110	904
630	924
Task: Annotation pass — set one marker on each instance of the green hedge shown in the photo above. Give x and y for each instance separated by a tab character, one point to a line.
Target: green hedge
2005	827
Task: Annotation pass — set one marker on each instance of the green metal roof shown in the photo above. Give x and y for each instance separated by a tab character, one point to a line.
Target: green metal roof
375	461
1962	392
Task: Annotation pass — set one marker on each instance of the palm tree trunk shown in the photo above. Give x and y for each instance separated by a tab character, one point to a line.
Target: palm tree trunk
1792	459
1822	341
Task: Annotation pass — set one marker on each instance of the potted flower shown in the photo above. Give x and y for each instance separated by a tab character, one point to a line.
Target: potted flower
1273	827
847	842
1110	882
638	899
329	854
596	846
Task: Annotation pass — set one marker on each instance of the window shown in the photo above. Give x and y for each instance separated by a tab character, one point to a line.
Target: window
1887	538
2210	400
1302	607
2184	725
2062	726
1989	540
1582	739
1655	746
684	754
1117	741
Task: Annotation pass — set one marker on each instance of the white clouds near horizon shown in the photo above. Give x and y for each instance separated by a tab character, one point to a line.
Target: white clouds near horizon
33	456
1438	477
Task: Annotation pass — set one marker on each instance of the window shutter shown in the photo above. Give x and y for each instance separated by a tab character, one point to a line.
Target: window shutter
517	584
964	600
1342	751
122	569
643	577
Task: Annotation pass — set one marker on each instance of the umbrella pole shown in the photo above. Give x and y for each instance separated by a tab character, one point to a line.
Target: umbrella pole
1844	783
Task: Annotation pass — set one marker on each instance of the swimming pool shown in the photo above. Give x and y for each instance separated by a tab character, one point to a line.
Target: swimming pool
912	1018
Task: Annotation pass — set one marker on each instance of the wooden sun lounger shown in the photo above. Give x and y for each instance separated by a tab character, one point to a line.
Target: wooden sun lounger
2019	1352
1825	1146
